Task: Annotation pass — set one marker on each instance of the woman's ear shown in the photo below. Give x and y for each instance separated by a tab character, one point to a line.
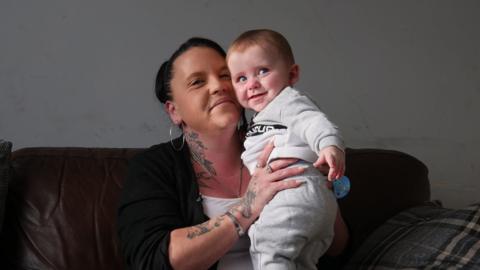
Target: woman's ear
171	109
294	74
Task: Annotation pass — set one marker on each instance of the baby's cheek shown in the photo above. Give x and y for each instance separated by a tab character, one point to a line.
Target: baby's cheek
240	96
243	102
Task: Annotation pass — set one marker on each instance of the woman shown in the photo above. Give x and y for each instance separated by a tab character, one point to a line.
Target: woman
186	204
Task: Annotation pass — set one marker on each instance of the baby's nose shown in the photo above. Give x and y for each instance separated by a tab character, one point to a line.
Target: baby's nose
253	84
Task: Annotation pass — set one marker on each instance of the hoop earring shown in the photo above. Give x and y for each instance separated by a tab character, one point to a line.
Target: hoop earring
171	141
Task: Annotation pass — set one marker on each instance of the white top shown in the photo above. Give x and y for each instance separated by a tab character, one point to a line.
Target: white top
301	130
238	257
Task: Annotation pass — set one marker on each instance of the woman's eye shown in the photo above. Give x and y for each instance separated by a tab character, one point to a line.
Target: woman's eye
196	82
262	71
225	76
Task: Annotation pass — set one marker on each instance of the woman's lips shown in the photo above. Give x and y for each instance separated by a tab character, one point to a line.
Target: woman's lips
221	101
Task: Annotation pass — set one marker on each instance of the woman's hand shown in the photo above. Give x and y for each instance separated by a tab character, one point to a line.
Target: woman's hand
264	184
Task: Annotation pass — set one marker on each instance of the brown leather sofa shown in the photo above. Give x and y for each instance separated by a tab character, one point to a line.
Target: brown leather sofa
61	204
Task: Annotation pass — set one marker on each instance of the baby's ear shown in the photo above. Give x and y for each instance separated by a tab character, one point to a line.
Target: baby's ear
294	74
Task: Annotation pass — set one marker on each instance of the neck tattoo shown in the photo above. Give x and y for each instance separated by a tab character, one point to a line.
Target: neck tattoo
198	155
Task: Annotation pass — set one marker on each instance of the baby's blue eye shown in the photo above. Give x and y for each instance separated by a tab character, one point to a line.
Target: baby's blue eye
262	71
242	79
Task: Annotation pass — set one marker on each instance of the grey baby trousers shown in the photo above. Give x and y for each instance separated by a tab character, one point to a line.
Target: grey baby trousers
296	227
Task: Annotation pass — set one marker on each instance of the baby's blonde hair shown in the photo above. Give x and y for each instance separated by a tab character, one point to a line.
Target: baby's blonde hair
265	38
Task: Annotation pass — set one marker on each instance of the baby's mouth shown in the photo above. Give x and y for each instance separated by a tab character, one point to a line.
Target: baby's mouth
257	96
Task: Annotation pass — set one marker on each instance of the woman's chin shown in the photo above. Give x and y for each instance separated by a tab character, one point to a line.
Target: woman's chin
227	120
227	123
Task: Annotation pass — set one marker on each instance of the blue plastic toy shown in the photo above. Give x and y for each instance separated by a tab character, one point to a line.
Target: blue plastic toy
341	187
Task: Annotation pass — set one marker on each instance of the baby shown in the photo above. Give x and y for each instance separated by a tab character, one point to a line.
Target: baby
296	227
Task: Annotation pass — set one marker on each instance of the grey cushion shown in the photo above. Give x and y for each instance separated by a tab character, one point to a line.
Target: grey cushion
5	151
427	237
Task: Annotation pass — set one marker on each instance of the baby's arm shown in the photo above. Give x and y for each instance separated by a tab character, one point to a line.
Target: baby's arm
304	117
334	157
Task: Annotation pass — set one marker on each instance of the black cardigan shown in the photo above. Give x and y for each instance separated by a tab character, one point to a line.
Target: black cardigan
160	194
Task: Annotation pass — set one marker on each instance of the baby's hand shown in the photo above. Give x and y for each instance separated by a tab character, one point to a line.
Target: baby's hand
334	158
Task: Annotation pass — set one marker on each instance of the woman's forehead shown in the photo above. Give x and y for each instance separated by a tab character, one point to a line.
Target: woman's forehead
199	59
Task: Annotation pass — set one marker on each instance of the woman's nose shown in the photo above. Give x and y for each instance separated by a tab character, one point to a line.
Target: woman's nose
217	85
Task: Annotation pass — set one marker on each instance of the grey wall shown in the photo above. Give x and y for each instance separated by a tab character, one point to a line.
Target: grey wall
400	75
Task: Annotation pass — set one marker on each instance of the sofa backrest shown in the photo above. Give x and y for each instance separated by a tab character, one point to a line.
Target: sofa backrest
62	202
384	182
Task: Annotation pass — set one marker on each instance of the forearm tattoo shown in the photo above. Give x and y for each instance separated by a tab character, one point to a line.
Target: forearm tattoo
245	205
198	153
204	228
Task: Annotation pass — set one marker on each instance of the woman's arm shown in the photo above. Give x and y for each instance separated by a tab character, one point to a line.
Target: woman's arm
340	238
341	234
200	246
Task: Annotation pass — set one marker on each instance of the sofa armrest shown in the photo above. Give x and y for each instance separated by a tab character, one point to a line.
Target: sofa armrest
61	209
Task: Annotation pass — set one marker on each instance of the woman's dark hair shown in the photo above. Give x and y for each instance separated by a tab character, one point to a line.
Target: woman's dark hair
164	75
